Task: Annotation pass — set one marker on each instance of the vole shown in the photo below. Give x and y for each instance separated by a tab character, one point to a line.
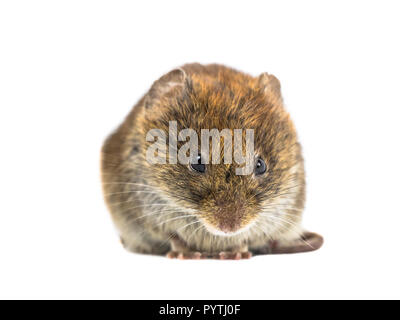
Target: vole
197	210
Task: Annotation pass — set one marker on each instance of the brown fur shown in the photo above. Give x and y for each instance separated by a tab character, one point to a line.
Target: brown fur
143	196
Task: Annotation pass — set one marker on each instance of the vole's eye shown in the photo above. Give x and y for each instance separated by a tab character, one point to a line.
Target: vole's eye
196	165
260	168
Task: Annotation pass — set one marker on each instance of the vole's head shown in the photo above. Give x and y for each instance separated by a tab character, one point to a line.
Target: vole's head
215	97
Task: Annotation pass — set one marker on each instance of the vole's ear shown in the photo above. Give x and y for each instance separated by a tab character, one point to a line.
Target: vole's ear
169	84
270	84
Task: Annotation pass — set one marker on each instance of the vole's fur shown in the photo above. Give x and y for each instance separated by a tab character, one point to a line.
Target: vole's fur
160	208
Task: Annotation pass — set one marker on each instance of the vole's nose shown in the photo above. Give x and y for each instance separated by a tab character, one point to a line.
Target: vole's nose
229	215
229	226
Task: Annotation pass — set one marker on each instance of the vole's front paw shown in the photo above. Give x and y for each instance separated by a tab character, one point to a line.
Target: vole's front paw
225	255
234	255
191	255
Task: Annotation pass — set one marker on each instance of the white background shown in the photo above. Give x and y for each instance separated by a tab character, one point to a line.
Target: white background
71	70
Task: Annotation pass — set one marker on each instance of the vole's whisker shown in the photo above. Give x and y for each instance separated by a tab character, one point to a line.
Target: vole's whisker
129	183
286	206
281	193
160	212
293	230
264	232
279	209
259	230
178	196
189	224
195	230
283	220
175	234
175	218
131	191
148	205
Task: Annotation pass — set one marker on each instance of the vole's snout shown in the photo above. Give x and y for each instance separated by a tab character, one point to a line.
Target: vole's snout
229	227
226	216
229	216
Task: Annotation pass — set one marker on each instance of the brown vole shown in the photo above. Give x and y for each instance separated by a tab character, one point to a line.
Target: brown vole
207	210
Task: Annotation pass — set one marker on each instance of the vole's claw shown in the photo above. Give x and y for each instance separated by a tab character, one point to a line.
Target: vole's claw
246	255
195	255
184	255
234	255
